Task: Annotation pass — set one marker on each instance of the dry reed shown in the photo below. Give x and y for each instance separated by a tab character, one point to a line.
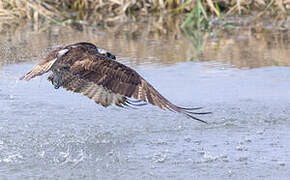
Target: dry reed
88	11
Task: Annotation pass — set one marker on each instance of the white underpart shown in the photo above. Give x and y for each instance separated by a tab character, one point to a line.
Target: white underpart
102	51
62	52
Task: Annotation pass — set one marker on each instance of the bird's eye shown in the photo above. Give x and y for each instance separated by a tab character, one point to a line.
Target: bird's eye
110	55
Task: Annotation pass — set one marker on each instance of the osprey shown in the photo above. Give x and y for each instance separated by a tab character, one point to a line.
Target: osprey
84	68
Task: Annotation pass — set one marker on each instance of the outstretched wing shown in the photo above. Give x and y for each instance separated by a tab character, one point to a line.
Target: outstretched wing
99	94
45	65
38	70
83	69
73	52
108	82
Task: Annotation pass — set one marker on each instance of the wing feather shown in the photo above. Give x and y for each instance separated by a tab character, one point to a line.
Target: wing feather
93	91
45	65
38	70
102	79
120	79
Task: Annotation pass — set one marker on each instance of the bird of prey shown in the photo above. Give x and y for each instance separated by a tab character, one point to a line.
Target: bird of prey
84	68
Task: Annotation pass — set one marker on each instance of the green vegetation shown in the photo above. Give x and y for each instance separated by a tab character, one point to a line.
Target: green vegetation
193	26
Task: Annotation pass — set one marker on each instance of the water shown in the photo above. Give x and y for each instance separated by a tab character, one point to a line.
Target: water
55	134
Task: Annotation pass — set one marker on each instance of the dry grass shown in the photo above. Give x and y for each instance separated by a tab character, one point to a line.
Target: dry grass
92	11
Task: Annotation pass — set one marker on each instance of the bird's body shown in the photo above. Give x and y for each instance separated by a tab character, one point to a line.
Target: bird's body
84	68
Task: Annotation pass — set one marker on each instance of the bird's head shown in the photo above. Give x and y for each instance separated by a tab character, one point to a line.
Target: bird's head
86	46
106	53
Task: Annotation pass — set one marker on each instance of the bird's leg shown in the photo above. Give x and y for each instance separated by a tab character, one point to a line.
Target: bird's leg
56	79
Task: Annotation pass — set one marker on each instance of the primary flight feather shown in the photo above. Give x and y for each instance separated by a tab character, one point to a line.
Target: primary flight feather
84	68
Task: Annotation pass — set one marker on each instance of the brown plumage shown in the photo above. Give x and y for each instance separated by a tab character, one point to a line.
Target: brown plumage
84	68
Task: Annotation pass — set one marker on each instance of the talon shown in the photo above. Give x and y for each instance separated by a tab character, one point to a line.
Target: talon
56	85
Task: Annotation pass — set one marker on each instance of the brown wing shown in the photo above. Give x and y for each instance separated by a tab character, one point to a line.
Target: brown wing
99	94
102	79
73	53
43	67
117	79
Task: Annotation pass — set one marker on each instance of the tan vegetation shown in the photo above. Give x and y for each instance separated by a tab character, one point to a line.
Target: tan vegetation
94	11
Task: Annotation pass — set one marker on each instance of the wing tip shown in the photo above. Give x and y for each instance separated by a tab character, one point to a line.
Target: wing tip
24	78
197	119
188	112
